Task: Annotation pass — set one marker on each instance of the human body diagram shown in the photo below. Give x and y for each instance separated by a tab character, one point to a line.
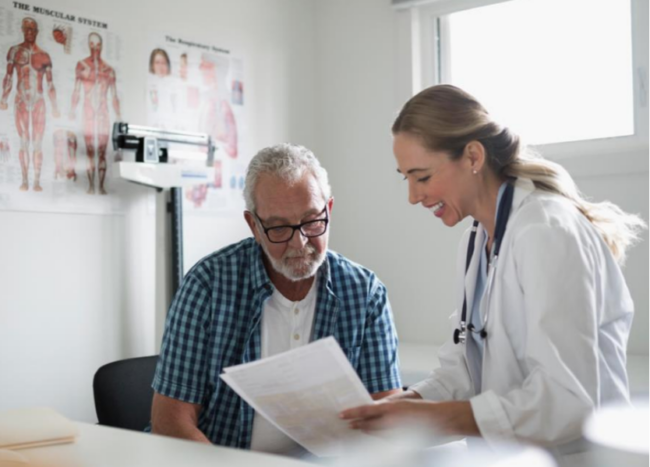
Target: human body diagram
97	79
32	66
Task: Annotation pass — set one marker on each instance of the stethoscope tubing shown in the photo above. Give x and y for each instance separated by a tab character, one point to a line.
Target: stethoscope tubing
503	213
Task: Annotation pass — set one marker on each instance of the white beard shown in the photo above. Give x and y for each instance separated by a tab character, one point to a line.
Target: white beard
297	269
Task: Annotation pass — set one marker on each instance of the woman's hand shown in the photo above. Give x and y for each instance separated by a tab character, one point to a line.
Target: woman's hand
408	394
443	418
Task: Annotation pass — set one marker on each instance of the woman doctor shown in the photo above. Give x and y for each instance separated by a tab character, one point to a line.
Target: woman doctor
539	336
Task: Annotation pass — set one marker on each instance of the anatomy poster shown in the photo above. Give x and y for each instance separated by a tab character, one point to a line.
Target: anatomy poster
61	86
197	87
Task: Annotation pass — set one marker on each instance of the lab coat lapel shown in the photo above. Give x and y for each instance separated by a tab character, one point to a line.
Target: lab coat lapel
471	352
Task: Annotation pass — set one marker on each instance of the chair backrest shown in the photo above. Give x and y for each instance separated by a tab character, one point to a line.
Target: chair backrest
123	392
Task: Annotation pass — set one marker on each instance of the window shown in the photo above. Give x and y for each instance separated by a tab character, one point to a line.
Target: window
525	61
555	71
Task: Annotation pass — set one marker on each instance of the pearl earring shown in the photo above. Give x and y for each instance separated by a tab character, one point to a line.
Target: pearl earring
474	172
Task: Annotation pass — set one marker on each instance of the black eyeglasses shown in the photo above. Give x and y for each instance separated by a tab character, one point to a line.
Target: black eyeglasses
284	233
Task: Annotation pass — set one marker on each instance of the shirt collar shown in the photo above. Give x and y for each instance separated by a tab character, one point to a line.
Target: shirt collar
260	277
324	275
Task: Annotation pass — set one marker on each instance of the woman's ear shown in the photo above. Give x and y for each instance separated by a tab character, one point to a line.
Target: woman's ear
475	153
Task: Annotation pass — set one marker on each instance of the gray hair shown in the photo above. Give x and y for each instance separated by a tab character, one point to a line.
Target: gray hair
287	161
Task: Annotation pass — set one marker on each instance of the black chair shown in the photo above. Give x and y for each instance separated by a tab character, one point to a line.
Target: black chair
123	392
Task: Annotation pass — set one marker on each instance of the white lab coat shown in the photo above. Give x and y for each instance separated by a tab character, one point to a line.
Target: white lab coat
559	320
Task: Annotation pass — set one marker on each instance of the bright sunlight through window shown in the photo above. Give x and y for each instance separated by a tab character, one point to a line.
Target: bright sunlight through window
552	70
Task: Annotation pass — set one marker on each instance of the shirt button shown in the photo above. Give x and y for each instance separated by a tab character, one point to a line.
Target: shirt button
296	311
296	336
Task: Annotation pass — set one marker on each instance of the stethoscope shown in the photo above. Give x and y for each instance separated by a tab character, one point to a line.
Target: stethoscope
503	212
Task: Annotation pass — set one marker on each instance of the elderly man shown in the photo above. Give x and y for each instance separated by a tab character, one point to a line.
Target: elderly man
266	295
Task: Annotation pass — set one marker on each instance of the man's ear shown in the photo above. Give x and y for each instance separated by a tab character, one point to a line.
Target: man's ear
250	220
330	204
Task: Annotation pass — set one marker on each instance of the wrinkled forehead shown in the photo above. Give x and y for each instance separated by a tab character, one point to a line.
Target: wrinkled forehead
288	198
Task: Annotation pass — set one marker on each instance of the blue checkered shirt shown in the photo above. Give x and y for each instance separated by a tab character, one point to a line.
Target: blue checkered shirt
214	323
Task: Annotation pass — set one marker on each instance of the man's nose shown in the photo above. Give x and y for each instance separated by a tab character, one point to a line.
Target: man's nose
298	240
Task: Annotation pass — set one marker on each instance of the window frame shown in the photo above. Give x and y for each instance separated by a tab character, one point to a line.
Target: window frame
589	157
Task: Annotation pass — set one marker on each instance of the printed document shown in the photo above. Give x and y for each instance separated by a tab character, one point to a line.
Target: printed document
302	391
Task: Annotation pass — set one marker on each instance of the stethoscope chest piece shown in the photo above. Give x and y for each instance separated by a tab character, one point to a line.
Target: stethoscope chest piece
460	333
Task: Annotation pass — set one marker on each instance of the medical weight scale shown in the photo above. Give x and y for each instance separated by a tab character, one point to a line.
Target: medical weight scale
152	168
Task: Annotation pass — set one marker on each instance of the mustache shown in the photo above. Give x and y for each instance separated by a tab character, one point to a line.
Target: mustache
308	250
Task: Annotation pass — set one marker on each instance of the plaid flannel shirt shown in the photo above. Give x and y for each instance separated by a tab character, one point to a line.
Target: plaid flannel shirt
214	322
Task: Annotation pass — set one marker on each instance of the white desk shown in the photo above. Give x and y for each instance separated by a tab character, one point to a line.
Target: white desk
99	446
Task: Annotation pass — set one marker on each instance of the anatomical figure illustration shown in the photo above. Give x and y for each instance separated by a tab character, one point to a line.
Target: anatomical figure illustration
63	35
32	65
5	150
217	116
65	143
97	79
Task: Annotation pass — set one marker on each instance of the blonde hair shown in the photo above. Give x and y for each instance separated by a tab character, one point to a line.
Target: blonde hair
446	118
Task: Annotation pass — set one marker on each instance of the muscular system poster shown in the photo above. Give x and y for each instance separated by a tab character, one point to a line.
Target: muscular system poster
198	87
60	73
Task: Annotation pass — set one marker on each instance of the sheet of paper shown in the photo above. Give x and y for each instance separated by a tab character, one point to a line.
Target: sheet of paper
302	392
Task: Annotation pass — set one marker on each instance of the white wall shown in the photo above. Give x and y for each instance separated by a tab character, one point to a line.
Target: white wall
363	82
364	71
77	291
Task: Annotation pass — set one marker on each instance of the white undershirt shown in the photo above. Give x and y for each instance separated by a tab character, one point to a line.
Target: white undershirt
285	326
